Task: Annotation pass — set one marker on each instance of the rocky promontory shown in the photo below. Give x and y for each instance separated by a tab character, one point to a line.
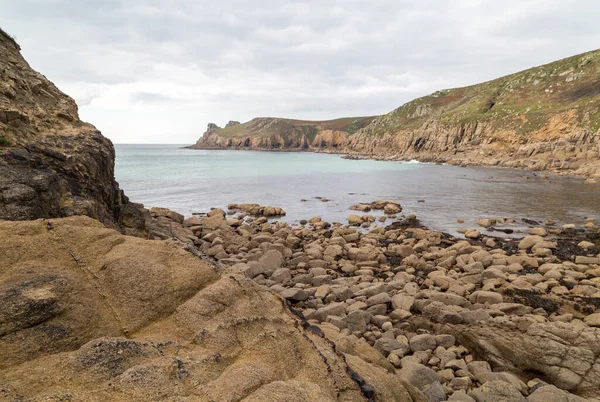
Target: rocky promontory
273	134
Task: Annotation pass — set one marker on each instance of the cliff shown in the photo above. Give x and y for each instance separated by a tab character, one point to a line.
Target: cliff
543	118
52	164
265	133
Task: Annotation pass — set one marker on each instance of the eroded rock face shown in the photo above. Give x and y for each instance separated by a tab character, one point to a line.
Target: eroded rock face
51	163
565	354
96	315
265	133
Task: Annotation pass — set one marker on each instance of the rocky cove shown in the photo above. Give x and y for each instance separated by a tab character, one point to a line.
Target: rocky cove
102	299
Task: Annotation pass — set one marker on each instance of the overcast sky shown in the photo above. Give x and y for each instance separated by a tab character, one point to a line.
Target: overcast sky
159	71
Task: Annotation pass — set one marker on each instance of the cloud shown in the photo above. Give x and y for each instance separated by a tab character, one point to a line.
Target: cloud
149	97
150	71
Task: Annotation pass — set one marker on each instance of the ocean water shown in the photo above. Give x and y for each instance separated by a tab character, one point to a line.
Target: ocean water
190	181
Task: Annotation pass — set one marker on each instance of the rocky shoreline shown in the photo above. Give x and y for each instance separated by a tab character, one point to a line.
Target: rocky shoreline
458	319
588	170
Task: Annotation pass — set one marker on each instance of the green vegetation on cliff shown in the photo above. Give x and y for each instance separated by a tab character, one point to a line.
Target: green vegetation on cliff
268	126
521	102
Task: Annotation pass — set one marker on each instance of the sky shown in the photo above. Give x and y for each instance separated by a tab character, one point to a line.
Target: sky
160	71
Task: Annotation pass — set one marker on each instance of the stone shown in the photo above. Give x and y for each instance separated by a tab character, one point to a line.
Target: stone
486	222
456	364
361	207
422	342
460	383
445	340
506	377
378	319
497	391
450	299
593	320
580	259
392	209
270	261
425	379
513	308
335	309
446	375
538	231
550	393
294	294
529	241
282	275
381	298
483	297
460	396
385	345
472	234
403	302
355	220
333	251
403	250
322	291
322	280
479	369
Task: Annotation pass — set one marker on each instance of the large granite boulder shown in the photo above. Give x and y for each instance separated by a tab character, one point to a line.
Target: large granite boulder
564	354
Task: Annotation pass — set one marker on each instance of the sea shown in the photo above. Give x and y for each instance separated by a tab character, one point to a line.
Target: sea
308	184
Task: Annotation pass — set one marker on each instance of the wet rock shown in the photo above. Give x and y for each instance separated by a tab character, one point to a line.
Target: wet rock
530	241
538	231
472	234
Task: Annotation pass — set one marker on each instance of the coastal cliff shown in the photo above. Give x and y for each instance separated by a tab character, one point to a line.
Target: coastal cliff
52	164
543	118
273	134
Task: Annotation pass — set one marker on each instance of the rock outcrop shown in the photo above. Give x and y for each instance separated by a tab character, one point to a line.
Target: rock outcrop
51	163
273	134
88	314
565	354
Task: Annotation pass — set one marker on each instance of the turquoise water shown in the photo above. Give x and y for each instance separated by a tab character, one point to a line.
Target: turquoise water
191	181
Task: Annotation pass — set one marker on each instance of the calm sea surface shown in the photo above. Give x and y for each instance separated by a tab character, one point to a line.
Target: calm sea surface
193	181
